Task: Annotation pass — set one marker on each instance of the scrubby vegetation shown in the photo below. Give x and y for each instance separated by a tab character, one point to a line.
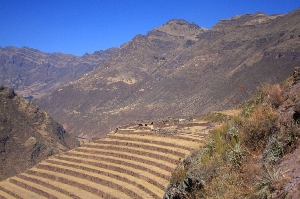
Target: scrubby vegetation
241	158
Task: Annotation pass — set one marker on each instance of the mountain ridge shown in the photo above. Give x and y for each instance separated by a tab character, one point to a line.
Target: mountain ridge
33	73
167	73
157	75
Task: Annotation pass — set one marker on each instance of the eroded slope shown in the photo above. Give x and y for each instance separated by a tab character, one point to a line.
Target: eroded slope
27	134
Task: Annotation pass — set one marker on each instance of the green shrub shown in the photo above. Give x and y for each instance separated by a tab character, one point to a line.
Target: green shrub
235	156
216	117
273	150
268	179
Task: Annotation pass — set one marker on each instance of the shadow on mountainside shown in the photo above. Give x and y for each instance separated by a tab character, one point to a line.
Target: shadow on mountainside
28	134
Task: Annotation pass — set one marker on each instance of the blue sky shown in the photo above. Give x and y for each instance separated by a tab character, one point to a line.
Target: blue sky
80	26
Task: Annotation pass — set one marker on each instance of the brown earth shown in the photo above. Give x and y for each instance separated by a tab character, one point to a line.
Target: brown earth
28	134
121	165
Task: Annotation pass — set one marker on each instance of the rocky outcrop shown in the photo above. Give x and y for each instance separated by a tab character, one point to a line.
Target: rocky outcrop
27	134
296	75
289	120
278	55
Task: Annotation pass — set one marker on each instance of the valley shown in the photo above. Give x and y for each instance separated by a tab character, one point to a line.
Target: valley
185	71
179	112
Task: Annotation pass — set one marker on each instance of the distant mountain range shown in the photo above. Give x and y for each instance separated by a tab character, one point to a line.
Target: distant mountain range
33	73
177	70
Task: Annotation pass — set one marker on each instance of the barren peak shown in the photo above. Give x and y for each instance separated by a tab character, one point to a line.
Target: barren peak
244	20
179	27
181	23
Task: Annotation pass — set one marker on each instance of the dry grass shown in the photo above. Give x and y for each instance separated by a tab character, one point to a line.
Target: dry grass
215	117
234	158
178	174
286	83
257	127
227	185
272	94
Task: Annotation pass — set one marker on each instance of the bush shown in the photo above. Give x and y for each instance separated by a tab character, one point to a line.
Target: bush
273	150
235	156
288	136
272	94
258	126
179	174
215	117
270	179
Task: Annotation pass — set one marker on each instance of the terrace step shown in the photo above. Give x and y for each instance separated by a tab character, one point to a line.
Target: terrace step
149	146
7	191
161	140
175	143
66	189
121	165
126	155
37	188
152	176
93	190
192	138
123	161
195	138
141	183
129	189
4	195
17	191
133	150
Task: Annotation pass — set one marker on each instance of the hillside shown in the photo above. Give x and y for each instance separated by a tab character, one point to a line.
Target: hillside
33	73
250	152
28	134
254	154
179	70
135	161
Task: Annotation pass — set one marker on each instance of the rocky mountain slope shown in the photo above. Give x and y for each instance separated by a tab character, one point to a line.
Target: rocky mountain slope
255	154
179	69
27	134
33	73
248	152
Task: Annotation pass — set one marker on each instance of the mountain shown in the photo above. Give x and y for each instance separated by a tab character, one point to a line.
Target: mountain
114	88
33	73
179	69
27	134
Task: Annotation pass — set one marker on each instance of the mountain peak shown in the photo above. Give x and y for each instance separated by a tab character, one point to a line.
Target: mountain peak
179	28
179	21
248	19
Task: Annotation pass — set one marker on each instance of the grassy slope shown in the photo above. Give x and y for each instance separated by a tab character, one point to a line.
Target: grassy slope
244	157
